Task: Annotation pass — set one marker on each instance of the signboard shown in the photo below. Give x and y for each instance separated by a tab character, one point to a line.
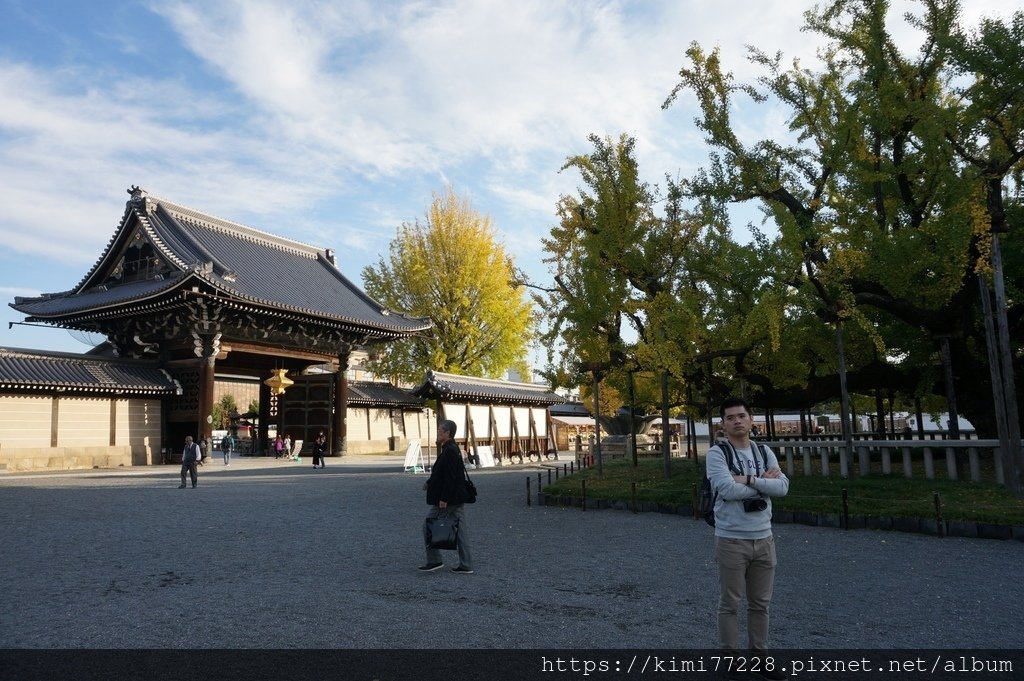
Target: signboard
414	457
486	456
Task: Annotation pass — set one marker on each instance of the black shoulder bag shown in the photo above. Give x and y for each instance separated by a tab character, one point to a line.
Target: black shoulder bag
469	489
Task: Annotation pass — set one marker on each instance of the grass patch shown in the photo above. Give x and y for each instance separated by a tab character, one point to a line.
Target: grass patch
874	495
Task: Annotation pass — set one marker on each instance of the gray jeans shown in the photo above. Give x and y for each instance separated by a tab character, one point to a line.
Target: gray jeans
434	555
746	569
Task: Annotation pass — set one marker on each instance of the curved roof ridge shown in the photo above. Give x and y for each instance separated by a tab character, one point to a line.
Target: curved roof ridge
248	265
161	240
128	210
216	222
22	369
457	386
383	309
457	378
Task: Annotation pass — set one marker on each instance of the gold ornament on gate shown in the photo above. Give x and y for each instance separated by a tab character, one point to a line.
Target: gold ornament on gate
278	383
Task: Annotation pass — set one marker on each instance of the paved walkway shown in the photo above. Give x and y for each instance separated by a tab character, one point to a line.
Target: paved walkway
266	553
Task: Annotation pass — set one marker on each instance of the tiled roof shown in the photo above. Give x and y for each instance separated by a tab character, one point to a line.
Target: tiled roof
245	264
380	394
37	370
570	409
91	299
451	387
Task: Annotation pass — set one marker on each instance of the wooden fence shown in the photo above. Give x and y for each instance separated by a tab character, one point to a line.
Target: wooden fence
824	454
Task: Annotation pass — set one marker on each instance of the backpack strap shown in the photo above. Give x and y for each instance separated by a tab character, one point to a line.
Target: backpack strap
729	451
730	455
764	455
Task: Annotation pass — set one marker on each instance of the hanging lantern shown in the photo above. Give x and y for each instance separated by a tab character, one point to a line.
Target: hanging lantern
278	382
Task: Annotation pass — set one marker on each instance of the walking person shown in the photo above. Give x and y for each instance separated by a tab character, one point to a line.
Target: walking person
745	476
190	456
226	445
288	446
320	451
446	494
278	447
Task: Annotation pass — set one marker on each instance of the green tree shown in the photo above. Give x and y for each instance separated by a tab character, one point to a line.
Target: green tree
625	304
876	189
451	269
223	409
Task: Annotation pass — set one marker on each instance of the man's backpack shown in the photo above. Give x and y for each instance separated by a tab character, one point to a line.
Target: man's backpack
708	496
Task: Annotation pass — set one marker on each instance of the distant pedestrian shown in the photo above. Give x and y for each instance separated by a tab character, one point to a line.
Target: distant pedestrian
320	451
226	447
288	446
446	494
278	447
190	456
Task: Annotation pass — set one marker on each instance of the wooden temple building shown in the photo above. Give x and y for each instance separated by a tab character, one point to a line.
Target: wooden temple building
510	419
181	296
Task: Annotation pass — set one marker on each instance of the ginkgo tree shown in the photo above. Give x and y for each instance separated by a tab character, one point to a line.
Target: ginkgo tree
451	269
886	185
620	307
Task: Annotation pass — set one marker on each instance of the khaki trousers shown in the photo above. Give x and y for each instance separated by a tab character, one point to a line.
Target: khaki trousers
746	569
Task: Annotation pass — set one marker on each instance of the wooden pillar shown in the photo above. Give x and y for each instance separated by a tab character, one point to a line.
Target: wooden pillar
516	447
495	443
340	416
207	345
206	373
470	432
550	445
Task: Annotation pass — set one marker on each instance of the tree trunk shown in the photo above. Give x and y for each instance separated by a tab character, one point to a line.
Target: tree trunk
1013	476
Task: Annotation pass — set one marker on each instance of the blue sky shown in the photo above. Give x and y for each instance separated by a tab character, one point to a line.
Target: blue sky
332	123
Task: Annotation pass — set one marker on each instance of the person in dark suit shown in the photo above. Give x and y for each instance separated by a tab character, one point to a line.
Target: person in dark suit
320	451
190	457
446	495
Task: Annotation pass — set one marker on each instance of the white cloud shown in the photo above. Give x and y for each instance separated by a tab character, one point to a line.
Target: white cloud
360	109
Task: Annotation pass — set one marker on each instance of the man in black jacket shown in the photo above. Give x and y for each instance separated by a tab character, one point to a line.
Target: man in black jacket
446	494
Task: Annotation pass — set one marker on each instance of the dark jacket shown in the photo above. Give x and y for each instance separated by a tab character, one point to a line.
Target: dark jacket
447	477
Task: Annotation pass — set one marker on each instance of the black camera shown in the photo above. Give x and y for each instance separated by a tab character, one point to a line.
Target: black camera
754	505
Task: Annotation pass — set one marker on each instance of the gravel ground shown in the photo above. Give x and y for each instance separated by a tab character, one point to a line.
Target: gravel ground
266	554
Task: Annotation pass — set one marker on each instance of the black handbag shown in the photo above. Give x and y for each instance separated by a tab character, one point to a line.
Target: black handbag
443	532
469	489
